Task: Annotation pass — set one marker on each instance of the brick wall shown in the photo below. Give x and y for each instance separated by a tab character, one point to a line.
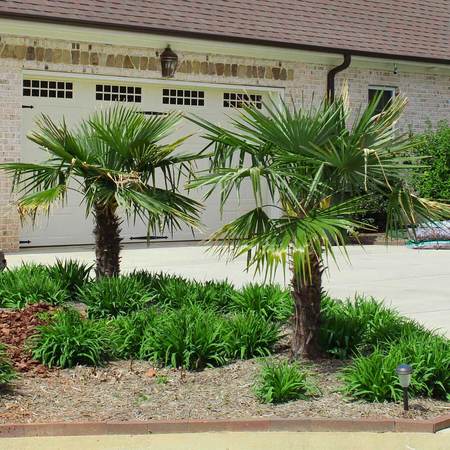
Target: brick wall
10	118
429	94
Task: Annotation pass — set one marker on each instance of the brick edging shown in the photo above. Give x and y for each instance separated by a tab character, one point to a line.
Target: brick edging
378	425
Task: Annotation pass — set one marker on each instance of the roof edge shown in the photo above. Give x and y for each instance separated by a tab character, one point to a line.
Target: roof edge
225	38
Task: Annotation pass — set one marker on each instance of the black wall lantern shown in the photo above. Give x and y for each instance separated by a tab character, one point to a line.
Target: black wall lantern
169	62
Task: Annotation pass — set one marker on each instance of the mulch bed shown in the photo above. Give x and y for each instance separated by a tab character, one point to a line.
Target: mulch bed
16	327
136	390
124	391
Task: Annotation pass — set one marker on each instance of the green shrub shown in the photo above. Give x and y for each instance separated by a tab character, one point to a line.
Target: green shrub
373	212
270	301
155	281
433	181
281	382
361	324
249	334
72	273
191	337
111	297
30	283
7	372
126	333
173	291
216	294
69	340
373	377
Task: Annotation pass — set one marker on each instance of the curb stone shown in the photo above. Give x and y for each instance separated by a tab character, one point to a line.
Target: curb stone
377	425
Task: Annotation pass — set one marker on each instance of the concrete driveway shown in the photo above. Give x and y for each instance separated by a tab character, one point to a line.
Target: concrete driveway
416	282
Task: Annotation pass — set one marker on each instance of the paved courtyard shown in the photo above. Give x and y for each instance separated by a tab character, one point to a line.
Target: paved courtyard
416	282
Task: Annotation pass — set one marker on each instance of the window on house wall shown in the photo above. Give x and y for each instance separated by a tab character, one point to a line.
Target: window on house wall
387	94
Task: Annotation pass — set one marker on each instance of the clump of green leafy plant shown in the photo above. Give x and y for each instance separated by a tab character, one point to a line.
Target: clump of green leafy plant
114	296
191	337
7	372
72	273
126	333
359	324
281	382
69	339
28	284
433	181
154	281
248	335
269	301
372	377
162	379
216	294
173	291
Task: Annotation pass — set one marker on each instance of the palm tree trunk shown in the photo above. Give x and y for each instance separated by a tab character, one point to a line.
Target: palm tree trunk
107	241
307	296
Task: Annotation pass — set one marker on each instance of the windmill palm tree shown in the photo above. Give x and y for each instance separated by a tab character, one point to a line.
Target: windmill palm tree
113	159
312	170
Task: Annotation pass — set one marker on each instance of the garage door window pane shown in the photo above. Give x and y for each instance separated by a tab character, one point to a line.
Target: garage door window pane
109	92
240	99
183	97
46	88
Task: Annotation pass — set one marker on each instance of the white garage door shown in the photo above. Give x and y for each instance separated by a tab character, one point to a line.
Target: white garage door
75	99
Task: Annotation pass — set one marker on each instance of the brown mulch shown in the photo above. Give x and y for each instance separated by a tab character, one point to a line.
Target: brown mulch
16	327
136	390
125	391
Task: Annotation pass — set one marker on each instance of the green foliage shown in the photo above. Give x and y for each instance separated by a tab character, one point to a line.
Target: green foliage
269	301
126	332
315	168
72	273
162	379
216	294
373	212
69	340
30	283
359	324
156	281
111	297
282	381
191	337
7	372
433	181
373	377
173	291
249	334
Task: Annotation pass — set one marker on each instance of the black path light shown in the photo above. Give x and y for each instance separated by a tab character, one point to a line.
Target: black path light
169	62
404	372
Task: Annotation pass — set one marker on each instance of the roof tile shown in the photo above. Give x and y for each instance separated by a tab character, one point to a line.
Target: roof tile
406	28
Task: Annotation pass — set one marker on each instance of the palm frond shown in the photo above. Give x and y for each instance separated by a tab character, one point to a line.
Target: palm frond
30	205
288	242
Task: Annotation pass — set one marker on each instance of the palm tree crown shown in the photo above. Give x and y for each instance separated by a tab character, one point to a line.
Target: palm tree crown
119	161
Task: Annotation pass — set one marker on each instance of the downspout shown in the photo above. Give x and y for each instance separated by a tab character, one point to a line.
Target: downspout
332	74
